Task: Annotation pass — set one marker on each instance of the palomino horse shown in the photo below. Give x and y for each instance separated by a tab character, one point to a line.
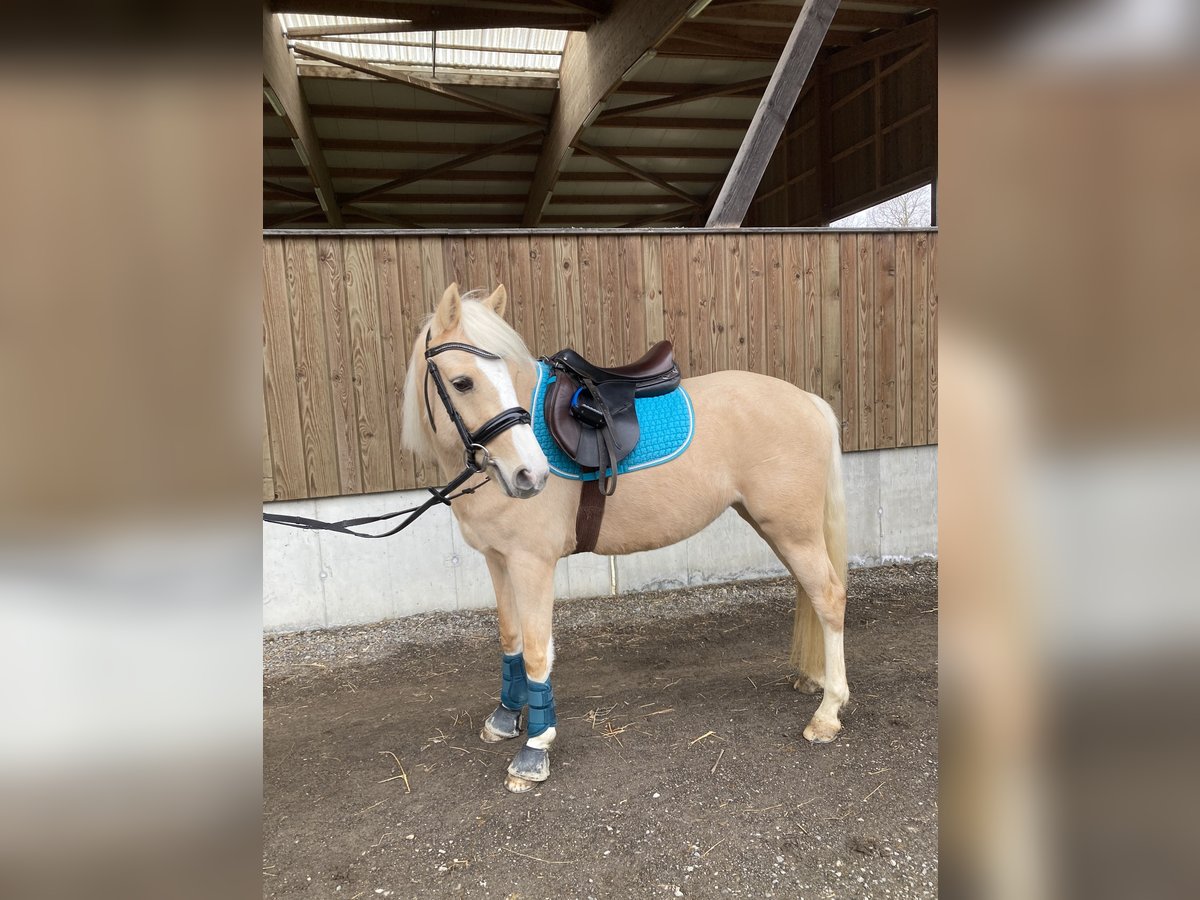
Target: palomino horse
763	446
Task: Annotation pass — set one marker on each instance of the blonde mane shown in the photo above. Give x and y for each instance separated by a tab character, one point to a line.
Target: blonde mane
481	327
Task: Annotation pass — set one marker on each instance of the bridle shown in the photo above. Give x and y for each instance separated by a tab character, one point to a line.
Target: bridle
476	455
474	442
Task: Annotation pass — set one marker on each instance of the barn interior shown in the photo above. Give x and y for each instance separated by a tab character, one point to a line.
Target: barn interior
585	113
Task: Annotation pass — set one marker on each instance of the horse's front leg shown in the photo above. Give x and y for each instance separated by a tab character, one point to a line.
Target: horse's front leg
505	721
532	582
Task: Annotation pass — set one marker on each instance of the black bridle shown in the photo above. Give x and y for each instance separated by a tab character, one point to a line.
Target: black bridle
474	442
476	456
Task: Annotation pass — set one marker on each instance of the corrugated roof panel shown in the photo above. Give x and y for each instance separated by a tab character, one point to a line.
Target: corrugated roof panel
481	49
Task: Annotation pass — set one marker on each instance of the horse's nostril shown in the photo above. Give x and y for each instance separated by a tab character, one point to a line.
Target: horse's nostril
522	479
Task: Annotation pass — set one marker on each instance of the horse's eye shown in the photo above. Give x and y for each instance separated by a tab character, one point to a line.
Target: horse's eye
463	384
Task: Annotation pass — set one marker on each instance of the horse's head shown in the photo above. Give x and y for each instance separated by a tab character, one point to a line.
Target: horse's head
476	357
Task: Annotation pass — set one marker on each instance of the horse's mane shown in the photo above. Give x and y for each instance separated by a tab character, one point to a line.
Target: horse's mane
481	327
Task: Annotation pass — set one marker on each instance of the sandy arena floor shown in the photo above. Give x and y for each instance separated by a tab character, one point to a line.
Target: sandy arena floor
679	770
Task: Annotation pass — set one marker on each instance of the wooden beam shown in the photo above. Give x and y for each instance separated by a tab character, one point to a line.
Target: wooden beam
773	110
593	66
529	81
377	174
466	117
431	87
289	191
480	153
282	86
634	170
375	145
379	217
700	93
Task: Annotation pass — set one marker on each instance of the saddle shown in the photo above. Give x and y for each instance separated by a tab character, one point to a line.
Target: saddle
590	410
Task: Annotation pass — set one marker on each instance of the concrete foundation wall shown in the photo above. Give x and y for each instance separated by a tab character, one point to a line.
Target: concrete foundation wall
321	579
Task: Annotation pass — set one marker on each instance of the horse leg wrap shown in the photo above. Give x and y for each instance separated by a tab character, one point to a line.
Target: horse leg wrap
514	686
541	707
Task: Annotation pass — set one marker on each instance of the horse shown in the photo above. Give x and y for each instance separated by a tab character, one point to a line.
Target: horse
786	482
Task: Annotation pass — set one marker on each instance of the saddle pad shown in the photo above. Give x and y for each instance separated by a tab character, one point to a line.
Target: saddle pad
667	422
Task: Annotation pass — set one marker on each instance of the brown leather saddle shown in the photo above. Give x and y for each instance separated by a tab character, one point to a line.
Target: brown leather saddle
590	410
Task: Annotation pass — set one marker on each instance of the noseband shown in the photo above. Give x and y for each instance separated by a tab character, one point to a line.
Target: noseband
474	442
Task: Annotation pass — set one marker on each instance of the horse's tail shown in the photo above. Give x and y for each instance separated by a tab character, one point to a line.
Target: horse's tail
808	640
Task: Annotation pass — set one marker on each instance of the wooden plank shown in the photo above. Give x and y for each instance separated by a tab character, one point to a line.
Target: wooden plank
848	272
652	281
772	114
676	325
366	355
454	260
385	253
566	281
545	338
718	313
279	379
885	340
812	313
756	286
268	473
312	367
865	278
434	278
737	314
414	307
589	297
775	303
477	275
793	308
633	297
699	306
920	344
610	301
932	338
904	429
337	340
498	267
831	324
520	293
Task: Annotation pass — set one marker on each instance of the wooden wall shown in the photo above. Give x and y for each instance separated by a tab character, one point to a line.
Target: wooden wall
851	316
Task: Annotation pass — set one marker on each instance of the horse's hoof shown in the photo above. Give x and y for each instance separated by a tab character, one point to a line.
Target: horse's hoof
806	685
530	764
502	725
515	785
821	732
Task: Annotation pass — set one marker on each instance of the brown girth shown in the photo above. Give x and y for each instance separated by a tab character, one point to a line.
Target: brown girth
589	517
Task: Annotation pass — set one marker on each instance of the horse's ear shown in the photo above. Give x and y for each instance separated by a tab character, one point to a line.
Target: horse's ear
498	300
449	311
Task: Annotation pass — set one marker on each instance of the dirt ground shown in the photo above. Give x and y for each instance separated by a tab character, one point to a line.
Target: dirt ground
680	768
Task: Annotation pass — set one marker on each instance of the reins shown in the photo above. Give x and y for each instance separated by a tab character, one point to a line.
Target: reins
476	456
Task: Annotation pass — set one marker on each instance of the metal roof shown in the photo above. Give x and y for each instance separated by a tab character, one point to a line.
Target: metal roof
479	49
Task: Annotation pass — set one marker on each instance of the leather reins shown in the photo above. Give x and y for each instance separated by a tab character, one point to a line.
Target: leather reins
474	447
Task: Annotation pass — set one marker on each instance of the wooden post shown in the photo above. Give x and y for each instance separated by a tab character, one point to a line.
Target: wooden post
772	114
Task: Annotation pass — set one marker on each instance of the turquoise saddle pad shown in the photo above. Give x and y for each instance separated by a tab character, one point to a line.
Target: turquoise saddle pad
667	424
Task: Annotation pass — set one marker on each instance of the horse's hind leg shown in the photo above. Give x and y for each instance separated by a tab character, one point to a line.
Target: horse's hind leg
812	568
821	596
